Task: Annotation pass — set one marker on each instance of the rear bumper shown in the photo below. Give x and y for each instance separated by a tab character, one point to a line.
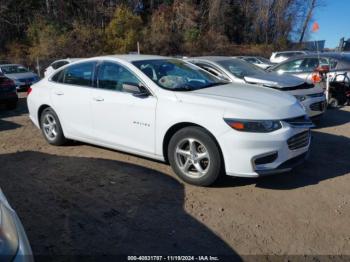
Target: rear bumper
22	87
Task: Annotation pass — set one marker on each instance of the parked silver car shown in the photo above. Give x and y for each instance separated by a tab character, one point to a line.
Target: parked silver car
14	244
304	66
279	57
22	77
238	71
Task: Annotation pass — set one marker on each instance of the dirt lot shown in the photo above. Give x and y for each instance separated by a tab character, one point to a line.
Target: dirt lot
84	200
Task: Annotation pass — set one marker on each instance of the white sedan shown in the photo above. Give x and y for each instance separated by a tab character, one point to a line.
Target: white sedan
171	110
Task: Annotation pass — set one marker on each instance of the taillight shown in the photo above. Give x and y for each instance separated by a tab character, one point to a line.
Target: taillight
29	91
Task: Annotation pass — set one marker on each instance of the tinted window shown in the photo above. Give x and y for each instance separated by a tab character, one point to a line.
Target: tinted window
79	74
58	77
112	76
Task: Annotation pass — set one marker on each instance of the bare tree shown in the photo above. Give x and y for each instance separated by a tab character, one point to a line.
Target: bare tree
311	8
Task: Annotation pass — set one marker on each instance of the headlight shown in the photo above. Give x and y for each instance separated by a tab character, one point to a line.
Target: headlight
255	126
300	98
8	233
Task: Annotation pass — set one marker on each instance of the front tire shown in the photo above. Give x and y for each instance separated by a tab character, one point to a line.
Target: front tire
51	128
195	157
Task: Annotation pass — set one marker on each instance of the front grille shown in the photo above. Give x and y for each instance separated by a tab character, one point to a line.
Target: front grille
299	141
319	106
301	121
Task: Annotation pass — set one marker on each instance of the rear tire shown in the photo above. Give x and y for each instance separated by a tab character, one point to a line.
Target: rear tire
51	127
195	157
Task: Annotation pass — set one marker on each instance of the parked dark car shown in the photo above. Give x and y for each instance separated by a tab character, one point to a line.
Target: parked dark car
22	77
8	92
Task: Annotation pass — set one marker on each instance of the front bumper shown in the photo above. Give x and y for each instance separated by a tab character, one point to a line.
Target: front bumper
242	150
315	106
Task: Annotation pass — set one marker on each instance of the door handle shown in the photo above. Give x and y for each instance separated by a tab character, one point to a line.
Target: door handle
98	99
59	93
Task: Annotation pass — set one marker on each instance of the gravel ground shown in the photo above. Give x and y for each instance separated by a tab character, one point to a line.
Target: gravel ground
85	200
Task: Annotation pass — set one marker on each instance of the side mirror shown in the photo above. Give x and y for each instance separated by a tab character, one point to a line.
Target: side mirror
137	90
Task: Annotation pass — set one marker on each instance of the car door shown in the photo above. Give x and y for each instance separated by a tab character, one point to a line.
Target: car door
70	95
121	118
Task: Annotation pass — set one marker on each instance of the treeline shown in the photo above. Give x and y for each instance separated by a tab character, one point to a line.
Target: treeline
46	29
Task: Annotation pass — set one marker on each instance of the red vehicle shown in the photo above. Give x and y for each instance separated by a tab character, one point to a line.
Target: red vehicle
8	93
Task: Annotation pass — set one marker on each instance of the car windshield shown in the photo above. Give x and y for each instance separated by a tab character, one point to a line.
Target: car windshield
176	75
13	69
240	68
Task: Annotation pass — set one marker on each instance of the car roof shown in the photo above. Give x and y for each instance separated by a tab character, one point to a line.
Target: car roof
329	55
133	57
281	52
213	58
68	60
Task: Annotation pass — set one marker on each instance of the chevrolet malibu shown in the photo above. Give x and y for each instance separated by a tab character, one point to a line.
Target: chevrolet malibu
170	110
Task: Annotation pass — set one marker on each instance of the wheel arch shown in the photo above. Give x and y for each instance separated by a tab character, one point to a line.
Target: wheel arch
40	111
175	128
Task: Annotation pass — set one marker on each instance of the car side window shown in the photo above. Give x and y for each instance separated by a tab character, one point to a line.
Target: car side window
79	74
112	76
309	64
290	67
213	71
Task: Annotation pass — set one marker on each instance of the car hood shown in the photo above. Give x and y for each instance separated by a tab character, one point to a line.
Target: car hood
274	80
245	101
21	75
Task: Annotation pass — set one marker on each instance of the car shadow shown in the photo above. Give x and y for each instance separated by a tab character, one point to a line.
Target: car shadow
329	158
8	125
74	206
333	117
